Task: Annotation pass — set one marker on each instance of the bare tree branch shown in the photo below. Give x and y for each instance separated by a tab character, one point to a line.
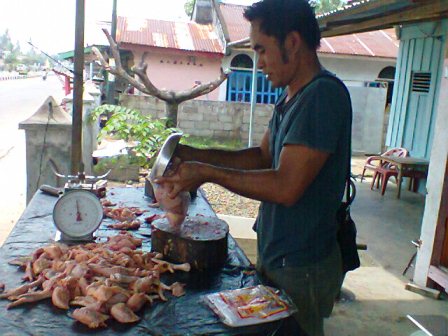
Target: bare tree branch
144	84
201	89
139	86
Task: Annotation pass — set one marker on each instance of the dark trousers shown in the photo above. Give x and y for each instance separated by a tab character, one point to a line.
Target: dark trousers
313	289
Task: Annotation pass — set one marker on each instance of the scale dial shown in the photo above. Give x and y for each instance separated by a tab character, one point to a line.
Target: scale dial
77	214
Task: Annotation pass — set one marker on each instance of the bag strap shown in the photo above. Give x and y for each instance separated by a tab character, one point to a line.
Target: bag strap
349	156
347	178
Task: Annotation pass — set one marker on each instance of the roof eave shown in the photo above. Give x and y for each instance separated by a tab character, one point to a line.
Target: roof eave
375	15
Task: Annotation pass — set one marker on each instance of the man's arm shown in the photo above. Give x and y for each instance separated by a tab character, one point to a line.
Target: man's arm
299	165
245	159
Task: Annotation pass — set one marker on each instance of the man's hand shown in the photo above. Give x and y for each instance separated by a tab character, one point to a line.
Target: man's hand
187	177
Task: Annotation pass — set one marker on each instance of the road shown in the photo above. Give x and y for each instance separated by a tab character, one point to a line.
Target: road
19	99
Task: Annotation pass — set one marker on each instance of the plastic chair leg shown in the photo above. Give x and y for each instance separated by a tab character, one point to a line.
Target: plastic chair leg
363	172
375	175
379	180
384	181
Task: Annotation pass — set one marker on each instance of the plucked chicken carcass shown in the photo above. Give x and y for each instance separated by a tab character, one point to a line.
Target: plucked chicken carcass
176	208
113	279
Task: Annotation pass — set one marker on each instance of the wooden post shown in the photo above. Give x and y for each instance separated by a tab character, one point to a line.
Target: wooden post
76	150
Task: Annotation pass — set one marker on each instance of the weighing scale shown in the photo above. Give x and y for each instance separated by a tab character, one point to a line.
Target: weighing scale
78	212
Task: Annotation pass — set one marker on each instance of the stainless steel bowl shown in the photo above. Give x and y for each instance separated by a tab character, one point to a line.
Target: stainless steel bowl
165	155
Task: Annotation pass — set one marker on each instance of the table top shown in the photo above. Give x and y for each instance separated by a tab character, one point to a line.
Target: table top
186	315
406	160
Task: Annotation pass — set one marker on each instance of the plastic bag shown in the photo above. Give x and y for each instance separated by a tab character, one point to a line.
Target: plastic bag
251	305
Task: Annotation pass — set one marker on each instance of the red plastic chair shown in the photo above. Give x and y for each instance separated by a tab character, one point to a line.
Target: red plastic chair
385	170
375	162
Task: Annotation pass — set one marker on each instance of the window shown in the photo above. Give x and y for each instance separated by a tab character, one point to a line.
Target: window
239	86
242	61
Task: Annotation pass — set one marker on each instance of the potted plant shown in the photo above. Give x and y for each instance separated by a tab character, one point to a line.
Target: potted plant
143	134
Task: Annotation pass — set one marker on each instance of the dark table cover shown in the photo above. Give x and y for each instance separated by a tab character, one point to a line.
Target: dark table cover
186	315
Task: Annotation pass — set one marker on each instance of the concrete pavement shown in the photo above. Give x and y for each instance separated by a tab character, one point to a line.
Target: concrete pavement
381	303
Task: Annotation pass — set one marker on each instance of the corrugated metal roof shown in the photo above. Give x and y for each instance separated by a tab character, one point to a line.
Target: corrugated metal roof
237	25
380	43
168	34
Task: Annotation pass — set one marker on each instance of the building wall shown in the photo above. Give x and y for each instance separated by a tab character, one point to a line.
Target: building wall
178	70
355	70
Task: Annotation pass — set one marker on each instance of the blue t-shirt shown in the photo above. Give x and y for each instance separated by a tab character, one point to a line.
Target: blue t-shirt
319	117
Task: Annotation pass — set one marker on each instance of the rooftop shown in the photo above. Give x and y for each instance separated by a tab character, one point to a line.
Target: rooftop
381	43
188	36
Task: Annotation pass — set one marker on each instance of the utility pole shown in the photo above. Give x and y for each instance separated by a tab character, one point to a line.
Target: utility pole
78	83
110	97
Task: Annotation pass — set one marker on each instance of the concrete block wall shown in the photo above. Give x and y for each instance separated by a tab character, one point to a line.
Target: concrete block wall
230	120
217	119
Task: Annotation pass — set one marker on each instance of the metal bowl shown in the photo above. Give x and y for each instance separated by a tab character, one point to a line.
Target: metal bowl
165	155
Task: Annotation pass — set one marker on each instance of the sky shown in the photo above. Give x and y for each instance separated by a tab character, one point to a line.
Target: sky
50	24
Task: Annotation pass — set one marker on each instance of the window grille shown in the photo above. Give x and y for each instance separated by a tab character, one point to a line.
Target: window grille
239	86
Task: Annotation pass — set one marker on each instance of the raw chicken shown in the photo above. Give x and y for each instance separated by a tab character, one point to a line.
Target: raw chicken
106	278
60	297
176	208
89	317
122	313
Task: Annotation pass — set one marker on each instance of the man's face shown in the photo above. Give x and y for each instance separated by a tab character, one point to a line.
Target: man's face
273	59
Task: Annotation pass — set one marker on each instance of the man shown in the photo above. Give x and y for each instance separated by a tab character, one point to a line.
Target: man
298	172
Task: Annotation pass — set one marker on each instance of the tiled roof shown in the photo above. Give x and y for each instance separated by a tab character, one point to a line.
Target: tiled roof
380	43
168	34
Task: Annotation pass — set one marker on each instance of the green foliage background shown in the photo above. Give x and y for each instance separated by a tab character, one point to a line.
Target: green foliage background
131	125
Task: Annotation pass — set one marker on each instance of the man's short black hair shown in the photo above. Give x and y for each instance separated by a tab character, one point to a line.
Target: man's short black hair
280	17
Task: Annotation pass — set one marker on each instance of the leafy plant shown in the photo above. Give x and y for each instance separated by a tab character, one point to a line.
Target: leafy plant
208	142
146	135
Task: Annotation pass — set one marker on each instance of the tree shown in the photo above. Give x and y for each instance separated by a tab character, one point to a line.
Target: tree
188	7
32	57
171	98
325	6
5	42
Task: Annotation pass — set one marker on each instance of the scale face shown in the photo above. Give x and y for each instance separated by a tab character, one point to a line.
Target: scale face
77	215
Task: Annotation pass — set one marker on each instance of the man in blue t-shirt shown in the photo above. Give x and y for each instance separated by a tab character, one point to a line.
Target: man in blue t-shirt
298	172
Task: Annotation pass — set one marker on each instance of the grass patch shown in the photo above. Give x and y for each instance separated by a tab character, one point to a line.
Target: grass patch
207	142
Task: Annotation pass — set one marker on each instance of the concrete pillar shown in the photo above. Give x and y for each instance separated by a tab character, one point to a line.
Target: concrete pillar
91	88
48	136
89	130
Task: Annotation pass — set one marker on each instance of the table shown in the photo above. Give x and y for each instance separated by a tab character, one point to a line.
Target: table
406	167
186	315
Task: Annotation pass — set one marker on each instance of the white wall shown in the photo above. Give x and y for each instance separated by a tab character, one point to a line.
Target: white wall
368	119
354	70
